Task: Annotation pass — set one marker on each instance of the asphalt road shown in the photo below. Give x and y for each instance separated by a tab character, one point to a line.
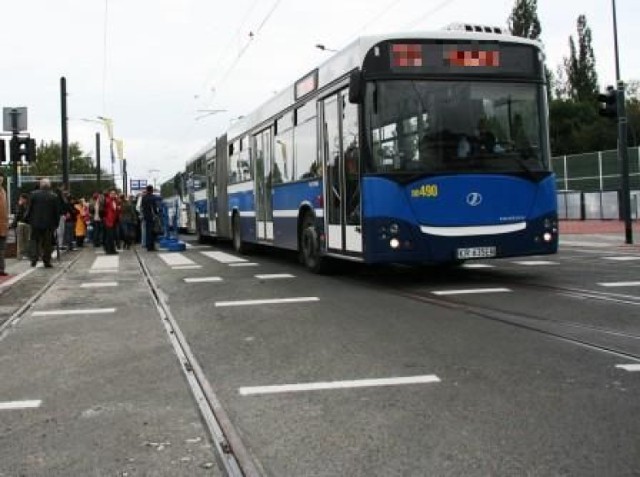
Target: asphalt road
507	367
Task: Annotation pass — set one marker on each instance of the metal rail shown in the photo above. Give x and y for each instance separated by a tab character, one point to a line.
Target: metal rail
235	458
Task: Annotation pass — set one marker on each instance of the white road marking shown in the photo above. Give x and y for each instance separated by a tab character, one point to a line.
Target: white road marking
99	252
477	265
627	258
176	259
247	264
533	263
202	279
7	406
15	279
577	243
471	291
223	257
108	262
361	383
632	368
274	276
195	247
186	267
99	285
106	270
619	284
90	311
275	301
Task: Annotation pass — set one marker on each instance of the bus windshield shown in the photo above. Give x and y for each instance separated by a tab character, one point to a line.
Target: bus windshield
454	126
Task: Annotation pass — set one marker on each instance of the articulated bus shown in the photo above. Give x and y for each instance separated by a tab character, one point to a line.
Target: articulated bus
404	148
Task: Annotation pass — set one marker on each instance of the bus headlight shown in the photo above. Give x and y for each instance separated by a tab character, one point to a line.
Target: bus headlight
548	237
394	243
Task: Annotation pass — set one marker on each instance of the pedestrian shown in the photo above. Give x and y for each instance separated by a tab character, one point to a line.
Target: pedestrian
150	211
96	211
43	214
82	214
70	213
4	224
22	228
111	216
128	220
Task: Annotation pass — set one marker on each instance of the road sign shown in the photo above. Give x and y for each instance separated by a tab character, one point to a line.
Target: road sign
137	184
7	119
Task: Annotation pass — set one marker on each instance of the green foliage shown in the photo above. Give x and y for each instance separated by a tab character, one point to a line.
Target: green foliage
582	78
524	20
576	127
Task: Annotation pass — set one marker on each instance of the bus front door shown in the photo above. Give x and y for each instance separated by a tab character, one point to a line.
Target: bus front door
342	174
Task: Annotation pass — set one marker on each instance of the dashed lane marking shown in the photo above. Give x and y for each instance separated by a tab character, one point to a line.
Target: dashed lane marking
99	285
321	386
619	284
534	263
176	259
632	368
275	301
247	264
202	279
475	291
105	270
108	262
628	258
274	276
12	405
90	311
472	266
186	267
223	257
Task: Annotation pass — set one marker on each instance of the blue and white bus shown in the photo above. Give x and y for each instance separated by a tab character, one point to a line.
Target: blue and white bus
412	148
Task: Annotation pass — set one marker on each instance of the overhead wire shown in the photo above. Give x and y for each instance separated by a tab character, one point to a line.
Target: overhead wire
435	9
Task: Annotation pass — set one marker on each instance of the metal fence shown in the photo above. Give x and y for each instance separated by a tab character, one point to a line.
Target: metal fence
589	185
595	171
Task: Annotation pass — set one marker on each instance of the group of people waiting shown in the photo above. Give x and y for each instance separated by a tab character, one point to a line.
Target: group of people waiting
108	219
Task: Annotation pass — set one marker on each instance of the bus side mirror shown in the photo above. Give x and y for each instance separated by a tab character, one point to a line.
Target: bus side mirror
356	87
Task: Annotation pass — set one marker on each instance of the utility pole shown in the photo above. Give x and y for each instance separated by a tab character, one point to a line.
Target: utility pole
98	171
14	157
623	151
65	134
124	177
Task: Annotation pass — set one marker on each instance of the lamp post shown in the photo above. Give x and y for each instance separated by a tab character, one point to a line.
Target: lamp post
623	152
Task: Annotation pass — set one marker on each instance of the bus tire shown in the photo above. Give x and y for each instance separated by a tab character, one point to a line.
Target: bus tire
310	246
238	244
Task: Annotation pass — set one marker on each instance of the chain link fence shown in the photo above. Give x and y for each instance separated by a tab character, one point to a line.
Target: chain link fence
590	187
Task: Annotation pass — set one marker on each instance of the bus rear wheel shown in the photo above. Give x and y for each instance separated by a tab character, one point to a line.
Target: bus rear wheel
310	247
238	244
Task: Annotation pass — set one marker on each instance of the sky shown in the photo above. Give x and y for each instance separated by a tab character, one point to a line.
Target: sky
153	66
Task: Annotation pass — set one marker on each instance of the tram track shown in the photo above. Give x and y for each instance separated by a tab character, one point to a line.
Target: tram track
606	340
17	315
234	457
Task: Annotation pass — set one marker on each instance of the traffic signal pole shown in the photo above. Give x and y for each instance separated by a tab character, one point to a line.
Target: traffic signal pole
65	135
14	157
623	153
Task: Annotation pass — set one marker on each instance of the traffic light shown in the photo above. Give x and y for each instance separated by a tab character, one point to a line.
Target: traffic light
609	103
23	149
3	152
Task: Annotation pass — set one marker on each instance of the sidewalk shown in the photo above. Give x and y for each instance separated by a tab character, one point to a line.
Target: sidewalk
598	233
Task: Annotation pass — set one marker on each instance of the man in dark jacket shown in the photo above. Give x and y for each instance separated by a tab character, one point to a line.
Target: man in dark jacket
43	215
150	210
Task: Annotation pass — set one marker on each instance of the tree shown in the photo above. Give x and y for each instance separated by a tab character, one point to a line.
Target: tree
524	21
582	78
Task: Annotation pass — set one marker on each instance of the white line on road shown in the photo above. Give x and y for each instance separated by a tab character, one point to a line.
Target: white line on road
186	267
477	265
107	262
223	257
7	406
275	301
202	279
247	264
105	270
471	292
362	383
99	285
534	263
175	259
90	311
632	368
15	279
628	258
274	276
619	284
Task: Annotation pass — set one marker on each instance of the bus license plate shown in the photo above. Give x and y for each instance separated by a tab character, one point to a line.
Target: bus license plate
476	252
